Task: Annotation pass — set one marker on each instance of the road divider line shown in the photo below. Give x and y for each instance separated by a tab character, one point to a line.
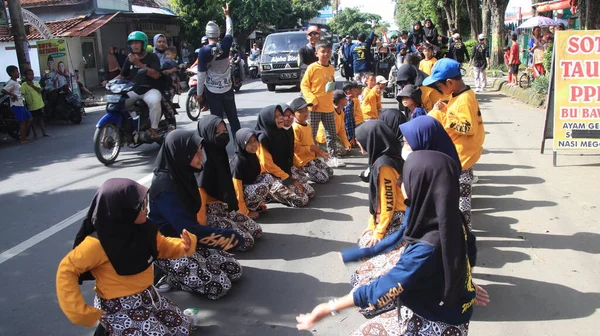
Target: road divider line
38	238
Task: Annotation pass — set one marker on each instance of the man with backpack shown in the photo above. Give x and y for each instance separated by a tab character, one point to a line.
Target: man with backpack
480	61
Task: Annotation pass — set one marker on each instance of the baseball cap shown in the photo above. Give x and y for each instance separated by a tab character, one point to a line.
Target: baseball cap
298	103
410	91
457	35
443	69
481	37
381	80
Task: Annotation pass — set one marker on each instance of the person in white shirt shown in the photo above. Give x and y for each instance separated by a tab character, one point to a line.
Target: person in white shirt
17	105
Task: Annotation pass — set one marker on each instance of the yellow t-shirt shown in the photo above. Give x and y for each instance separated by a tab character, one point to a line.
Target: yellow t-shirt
303	140
464	124
389	203
340	130
358	115
33	99
313	85
427	65
429	96
90	256
369	104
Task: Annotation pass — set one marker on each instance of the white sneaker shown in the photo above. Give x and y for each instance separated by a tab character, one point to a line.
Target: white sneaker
475	179
477	90
335	162
482	89
163	285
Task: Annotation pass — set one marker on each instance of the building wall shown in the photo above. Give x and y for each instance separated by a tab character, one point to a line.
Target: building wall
9	57
112	35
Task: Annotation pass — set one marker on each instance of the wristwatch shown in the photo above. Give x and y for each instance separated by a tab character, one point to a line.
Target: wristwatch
331	308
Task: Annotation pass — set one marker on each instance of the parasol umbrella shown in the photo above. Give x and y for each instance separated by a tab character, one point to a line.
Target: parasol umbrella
540	21
563	21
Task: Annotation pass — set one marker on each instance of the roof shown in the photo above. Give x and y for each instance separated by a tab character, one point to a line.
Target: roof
150	10
145	3
44	3
78	26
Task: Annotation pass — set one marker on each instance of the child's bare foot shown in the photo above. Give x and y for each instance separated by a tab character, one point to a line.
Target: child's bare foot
46	134
25	141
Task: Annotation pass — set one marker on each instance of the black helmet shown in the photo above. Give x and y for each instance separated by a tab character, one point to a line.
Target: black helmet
204	40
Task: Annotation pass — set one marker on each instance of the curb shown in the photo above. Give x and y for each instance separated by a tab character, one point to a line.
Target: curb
525	95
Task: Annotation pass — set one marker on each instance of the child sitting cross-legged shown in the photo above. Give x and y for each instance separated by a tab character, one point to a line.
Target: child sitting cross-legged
306	154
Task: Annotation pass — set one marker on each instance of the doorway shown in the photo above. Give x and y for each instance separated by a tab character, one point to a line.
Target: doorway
90	62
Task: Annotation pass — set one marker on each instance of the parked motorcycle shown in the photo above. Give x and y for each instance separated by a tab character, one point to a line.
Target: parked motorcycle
192	107
253	65
62	104
8	121
236	71
124	127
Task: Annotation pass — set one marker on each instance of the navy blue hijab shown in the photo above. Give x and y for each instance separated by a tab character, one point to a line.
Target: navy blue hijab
426	133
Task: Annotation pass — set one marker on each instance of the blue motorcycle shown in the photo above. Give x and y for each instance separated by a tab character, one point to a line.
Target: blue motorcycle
125	127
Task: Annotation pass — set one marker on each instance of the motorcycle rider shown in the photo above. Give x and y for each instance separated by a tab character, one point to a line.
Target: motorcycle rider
214	72
146	84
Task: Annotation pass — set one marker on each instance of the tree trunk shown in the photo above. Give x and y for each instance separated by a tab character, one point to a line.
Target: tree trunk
474	17
592	18
485	17
450	7
498	9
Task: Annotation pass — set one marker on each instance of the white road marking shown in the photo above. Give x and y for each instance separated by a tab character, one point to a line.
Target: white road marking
38	238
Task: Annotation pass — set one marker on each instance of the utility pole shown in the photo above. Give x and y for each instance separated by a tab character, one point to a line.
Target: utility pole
18	31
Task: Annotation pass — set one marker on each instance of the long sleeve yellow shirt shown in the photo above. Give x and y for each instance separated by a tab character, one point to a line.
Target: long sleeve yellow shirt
340	130
358	115
388	203
369	104
303	141
267	165
313	85
90	256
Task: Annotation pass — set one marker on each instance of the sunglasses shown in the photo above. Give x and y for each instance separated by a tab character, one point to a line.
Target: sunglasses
313	34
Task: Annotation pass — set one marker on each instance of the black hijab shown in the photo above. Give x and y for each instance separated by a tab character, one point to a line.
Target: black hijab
431	184
172	170
244	166
276	140
384	149
410	74
130	248
393	118
215	177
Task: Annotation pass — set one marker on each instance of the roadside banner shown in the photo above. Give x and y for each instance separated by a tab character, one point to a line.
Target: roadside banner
577	90
55	65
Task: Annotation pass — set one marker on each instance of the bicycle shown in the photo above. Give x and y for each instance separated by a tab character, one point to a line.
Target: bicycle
526	77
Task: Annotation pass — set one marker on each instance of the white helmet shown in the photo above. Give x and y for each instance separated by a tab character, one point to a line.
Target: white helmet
212	30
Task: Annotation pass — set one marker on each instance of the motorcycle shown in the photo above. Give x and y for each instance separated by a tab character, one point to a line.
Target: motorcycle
193	108
8	121
124	127
62	104
253	65
236	71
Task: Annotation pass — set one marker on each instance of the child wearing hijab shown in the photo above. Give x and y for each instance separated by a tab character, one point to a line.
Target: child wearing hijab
276	153
219	201
306	154
116	246
342	145
174	203
462	120
393	118
251	185
432	280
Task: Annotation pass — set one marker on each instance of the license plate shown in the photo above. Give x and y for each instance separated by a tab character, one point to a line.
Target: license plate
288	75
112	99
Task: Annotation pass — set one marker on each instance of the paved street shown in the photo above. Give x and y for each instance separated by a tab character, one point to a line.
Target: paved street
537	228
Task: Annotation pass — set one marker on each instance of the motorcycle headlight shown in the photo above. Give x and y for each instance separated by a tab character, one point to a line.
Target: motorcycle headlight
117	88
266	67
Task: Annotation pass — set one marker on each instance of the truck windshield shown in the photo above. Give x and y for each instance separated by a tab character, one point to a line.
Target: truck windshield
284	44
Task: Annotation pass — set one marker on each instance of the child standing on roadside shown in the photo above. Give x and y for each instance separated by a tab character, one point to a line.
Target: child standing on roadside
317	86
306	152
17	105
342	144
32	92
461	118
514	62
369	102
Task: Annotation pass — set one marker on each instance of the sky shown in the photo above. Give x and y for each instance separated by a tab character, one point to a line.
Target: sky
385	8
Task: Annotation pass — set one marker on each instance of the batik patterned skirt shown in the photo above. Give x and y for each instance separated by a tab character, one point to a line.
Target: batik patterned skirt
207	272
145	313
466	193
291	195
409	324
257	193
219	216
317	171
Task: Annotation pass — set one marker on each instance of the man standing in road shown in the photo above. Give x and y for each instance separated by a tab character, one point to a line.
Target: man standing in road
346	56
306	54
480	62
361	55
214	73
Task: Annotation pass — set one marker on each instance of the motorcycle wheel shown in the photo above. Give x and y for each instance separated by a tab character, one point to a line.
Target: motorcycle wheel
271	87
75	115
107	143
192	108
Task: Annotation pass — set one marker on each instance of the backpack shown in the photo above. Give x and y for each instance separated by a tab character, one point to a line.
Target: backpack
479	55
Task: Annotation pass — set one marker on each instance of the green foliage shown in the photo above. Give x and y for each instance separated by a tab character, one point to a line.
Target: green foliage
470	44
501	67
352	21
408	11
540	84
548	57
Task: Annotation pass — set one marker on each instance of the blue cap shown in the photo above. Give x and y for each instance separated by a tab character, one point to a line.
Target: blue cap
443	69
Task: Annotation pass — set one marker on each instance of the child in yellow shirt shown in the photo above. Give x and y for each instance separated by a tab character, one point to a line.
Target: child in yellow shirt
116	246
369	102
461	118
382	84
428	62
306	154
343	146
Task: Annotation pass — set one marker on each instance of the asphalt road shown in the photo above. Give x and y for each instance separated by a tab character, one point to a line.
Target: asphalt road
537	228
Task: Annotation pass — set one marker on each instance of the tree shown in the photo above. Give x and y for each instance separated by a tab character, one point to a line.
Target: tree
474	10
353	22
485	17
407	11
498	9
592	19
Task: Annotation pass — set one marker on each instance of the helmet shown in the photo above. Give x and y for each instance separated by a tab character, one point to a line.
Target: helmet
138	36
204	40
212	30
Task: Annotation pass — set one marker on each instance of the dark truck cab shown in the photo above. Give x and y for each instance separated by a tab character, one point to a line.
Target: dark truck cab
279	59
